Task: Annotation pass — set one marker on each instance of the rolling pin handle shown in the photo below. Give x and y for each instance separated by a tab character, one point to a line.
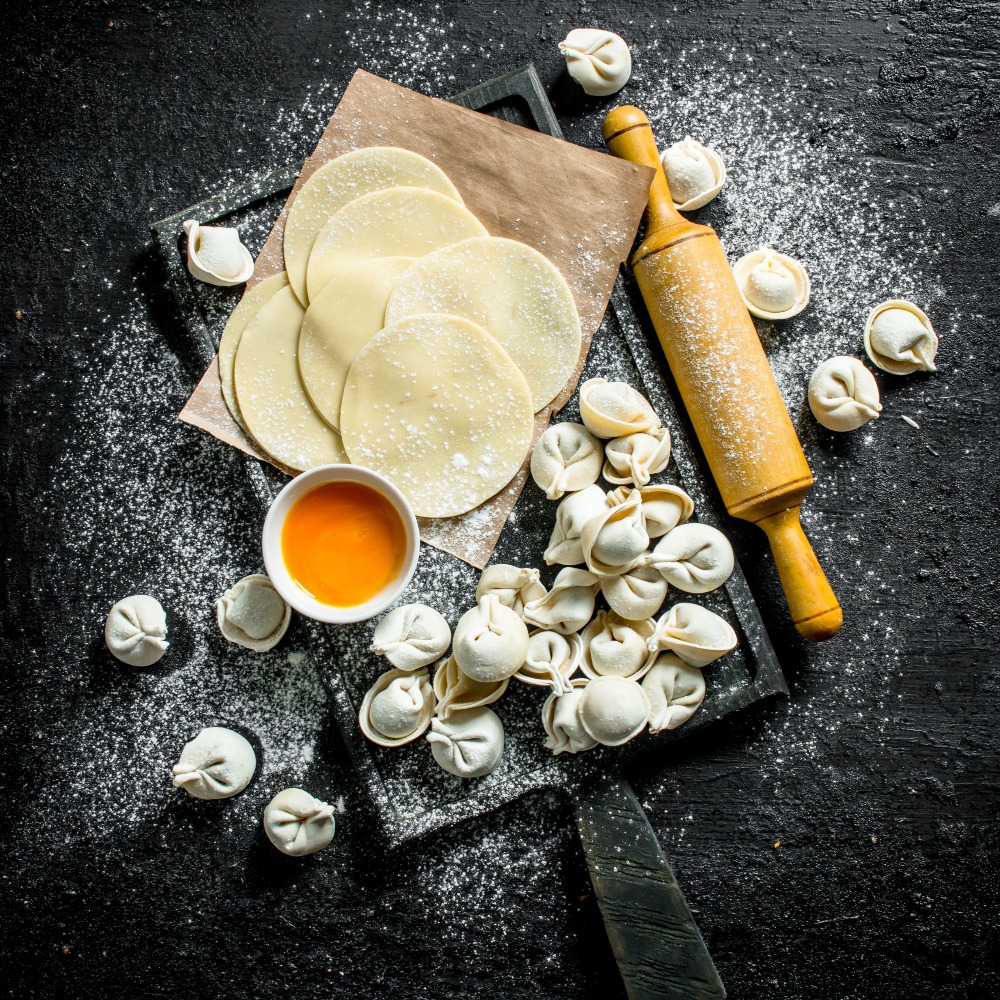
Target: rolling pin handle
814	607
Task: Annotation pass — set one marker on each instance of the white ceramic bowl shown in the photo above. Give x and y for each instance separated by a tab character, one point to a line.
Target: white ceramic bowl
274	562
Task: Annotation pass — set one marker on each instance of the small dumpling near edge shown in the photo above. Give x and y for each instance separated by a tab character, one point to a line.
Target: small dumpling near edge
695	174
599	60
565	459
843	394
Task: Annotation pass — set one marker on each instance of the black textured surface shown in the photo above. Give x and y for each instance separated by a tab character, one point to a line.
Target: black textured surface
879	777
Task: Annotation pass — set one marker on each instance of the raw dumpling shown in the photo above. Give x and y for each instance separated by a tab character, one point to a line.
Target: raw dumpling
614	409
614	539
899	338
637	594
698	636
215	254
597	59
297	824
512	585
253	614
457	692
664	507
569	605
491	641
561	719
636	458
695	174
773	285
398	707
614	646
136	630
843	394
552	659
694	557
675	691
613	710
469	744
216	764
571	515
566	458
411	637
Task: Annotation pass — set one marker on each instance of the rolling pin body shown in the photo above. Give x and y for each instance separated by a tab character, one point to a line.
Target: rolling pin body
722	373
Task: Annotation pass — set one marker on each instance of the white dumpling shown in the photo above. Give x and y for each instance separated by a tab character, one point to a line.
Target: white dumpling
636	458
491	641
613	710
458	692
597	59
843	394
636	594
136	630
513	586
564	732
552	659
664	507
695	174
469	744
398	707
411	637
694	557
614	539
571	515
216	255
298	824
698	636
614	409
675	691
899	338
216	764
569	605
253	614
566	458
614	646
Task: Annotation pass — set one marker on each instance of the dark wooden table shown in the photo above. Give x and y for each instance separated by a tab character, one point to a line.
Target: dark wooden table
842	844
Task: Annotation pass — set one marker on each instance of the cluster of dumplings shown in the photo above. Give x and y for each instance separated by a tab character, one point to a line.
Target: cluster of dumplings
610	672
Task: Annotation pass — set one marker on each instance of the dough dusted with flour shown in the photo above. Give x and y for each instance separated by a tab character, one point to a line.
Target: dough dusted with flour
774	286
843	394
675	691
216	256
664	507
695	174
636	594
397	708
614	409
298	824
565	547
613	646
564	732
412	636
270	393
422	405
899	338
342	180
613	710
599	60
397	222
698	636
551	659
566	458
569	605
135	630
636	458
469	744
613	540
216	764
694	557
514	586
510	290
491	641
458	692
253	614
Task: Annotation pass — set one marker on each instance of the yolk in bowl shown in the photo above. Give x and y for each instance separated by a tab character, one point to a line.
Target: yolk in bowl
343	543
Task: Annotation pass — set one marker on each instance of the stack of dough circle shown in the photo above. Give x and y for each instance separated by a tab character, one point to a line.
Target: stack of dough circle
269	391
434	403
397	222
511	291
346	314
342	180
248	307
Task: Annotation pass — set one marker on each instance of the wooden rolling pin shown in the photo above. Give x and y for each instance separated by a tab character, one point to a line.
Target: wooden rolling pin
724	378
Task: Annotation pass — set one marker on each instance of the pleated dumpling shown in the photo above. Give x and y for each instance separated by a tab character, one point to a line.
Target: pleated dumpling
900	339
411	637
843	394
698	636
458	692
136	630
675	690
636	458
571	515
569	605
636	594
253	614
216	764
469	744
513	586
694	557
614	409
552	659
398	707
564	732
298	824
614	646
491	641
566	458
664	507
614	539
613	710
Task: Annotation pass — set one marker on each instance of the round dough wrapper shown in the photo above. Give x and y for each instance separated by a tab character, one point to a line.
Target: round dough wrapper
340	181
513	292
398	222
346	314
248	307
435	404
269	391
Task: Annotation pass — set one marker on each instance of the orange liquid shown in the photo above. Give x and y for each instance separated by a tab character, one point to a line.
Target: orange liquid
343	543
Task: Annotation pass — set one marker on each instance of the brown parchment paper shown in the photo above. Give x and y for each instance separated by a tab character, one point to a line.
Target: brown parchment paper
579	207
